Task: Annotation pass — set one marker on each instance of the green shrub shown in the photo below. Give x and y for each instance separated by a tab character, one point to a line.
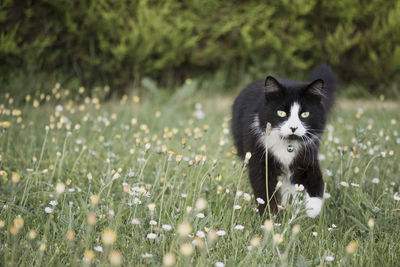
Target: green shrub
118	43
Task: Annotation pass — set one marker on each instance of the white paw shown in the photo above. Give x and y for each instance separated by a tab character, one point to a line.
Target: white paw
313	206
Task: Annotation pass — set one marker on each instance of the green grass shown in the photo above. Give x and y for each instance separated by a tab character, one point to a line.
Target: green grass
99	150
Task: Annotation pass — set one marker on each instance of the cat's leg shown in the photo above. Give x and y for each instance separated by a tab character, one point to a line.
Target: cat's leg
313	183
258	183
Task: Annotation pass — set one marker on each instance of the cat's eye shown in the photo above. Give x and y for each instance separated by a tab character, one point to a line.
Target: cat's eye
305	114
281	113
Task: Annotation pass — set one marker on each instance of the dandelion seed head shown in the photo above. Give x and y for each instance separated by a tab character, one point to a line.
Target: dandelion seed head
211	235
371	223
184	229
115	258
186	249
201	204
15	177
91	219
18	223
151	207
277	238
108	237
42	247
70	235
268	225
255	241
60	188
88	256
296	229
32	234
94	199
189	209
169	259
351	247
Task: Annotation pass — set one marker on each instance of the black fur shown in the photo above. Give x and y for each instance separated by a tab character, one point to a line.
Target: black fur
264	98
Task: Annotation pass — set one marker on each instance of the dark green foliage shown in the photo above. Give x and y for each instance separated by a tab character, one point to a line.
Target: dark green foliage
118	43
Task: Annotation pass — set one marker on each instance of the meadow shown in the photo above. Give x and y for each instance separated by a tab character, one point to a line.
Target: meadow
155	181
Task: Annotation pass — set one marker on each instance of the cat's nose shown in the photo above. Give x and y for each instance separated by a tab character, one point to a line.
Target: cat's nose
293	129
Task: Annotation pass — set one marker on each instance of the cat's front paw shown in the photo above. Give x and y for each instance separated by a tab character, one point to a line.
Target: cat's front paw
313	206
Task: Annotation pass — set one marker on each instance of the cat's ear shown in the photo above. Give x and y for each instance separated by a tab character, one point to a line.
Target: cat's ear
272	87
316	88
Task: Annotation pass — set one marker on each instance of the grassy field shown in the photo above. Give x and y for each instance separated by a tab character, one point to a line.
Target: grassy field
156	181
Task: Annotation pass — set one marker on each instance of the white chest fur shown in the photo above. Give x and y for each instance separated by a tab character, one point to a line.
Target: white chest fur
276	144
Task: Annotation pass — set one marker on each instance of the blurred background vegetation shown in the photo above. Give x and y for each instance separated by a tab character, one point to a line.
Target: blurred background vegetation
221	45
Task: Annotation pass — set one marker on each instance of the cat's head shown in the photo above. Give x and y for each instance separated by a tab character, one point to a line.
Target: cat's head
294	109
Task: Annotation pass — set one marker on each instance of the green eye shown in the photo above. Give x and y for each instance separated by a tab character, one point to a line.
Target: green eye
281	113
305	114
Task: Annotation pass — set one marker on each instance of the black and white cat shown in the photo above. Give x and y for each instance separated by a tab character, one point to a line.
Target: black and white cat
297	112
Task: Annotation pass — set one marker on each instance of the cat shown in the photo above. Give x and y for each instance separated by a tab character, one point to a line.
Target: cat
297	112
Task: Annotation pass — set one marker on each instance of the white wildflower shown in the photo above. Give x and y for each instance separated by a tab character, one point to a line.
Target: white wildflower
221	233
375	181
200	215
151	236
314	233
98	248
239	227
48	210
200	234
299	187
260	201
135	221
246	197
167	227
147	255
329	258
